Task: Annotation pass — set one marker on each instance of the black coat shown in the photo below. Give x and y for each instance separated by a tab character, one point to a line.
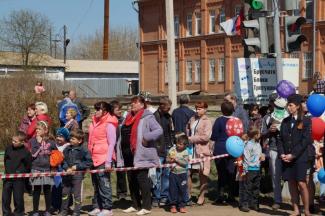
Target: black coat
295	141
17	160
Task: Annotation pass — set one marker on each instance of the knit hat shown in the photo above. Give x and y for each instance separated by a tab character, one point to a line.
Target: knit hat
64	132
295	99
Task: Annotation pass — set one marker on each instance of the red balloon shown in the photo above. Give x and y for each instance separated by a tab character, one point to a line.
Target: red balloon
317	128
234	127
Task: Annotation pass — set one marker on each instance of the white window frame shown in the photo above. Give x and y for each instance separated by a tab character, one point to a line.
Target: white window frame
212	70
221	70
189	25
308	65
198	23
309	4
212	23
189	70
222	18
197	71
176	26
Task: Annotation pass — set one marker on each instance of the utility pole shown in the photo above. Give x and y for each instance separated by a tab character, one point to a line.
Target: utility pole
171	53
51	42
314	35
106	30
277	41
64	43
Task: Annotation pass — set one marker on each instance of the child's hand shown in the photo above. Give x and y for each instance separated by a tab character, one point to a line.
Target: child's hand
74	168
262	157
39	139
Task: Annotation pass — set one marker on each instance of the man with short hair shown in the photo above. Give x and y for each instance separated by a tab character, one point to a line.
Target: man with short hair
163	144
182	114
83	109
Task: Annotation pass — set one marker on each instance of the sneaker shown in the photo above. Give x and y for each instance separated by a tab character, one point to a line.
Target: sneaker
173	209
94	212
163	202
155	204
143	212
105	212
276	206
182	210
130	210
244	209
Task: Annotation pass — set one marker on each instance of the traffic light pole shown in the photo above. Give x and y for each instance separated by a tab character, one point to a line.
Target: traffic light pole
277	41
64	43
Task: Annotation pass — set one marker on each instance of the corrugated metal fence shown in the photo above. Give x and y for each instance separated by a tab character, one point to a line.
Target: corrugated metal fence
94	88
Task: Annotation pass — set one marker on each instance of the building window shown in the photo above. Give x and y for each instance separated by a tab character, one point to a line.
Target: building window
176	26
166	72
212	24
189	25
295	54
308	65
177	71
309	10
189	72
221	70
198	24
237	10
197	71
212	69
222	17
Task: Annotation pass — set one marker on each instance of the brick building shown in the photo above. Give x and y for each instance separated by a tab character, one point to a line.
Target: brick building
204	53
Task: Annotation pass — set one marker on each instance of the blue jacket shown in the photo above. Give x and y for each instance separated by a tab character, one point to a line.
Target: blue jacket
76	155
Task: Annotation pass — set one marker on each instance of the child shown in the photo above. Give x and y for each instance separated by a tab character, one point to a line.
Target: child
17	159
76	158
178	174
41	148
62	141
251	164
318	165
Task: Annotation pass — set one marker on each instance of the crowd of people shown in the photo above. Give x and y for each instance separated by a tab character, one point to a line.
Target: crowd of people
144	137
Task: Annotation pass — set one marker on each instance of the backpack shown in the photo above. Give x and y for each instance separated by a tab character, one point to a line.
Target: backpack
65	107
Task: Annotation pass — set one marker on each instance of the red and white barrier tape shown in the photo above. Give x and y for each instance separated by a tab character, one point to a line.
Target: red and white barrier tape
42	174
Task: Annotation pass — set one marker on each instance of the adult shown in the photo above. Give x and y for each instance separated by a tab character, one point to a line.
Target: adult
136	147
239	112
225	166
200	132
182	114
60	105
148	100
121	185
83	109
270	136
101	143
295	137
41	112
28	118
163	144
71	122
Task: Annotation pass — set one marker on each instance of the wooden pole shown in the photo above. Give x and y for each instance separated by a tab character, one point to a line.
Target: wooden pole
106	30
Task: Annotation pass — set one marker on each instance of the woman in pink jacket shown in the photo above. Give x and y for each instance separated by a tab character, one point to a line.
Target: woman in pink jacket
200	129
101	143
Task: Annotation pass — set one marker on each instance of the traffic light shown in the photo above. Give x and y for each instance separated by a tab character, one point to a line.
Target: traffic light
260	37
293	36
260	5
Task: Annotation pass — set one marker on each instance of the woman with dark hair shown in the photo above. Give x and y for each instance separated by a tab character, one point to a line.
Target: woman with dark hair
200	129
101	143
255	119
295	138
28	118
136	148
225	166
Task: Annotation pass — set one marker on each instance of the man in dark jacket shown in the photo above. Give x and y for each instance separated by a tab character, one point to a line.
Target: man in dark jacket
83	109
166	141
182	114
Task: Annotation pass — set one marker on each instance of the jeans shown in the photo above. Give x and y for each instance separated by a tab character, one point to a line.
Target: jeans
71	185
178	189
15	187
251	189
275	170
140	185
102	189
121	186
161	189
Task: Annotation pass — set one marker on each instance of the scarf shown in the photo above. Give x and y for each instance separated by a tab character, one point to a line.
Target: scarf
134	121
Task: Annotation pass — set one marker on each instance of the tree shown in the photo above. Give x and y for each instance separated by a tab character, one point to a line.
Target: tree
122	45
26	32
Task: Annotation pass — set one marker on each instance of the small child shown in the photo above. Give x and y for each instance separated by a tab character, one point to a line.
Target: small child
251	183
41	148
76	158
62	141
178	175
17	159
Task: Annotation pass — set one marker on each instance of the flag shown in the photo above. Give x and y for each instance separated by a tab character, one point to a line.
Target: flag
233	26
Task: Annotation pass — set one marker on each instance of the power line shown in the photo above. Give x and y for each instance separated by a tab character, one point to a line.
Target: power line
82	18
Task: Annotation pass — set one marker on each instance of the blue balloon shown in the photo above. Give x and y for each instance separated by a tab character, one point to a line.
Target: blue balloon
321	175
235	146
316	104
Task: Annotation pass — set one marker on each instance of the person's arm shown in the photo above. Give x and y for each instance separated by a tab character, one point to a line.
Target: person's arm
155	129
280	140
64	163
215	131
183	161
247	157
306	139
245	120
86	161
111	138
205	136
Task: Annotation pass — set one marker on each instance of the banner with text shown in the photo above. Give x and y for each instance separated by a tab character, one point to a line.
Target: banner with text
255	79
